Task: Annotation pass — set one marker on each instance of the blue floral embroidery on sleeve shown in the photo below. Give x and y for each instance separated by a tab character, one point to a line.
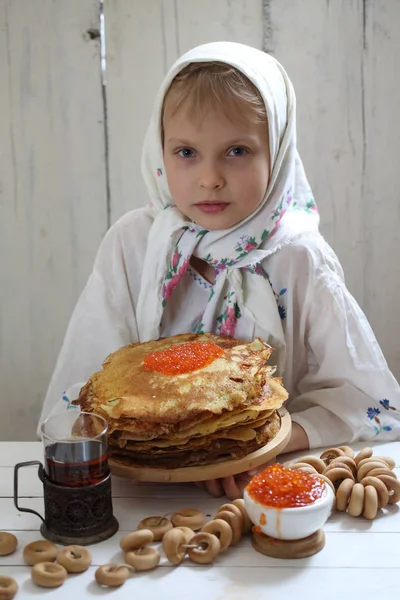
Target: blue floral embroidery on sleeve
372	414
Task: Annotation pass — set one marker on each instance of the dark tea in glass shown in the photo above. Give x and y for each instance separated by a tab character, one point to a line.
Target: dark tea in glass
76	463
75	449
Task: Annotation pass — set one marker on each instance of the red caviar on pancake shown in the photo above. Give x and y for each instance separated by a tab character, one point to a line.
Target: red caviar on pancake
183	358
285	488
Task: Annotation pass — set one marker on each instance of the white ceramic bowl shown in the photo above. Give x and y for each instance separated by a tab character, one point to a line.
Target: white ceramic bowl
290	523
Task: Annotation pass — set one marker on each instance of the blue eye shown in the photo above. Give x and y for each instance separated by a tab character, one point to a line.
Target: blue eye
186	153
237	151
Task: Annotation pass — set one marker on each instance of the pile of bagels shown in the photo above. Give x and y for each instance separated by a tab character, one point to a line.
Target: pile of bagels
363	484
185	534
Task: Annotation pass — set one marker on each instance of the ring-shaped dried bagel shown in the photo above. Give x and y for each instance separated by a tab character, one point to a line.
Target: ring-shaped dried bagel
383	493
345	460
157	525
75	559
364	453
356	504
48	574
229	506
330	454
136	539
338	465
8	543
207	547
370	502
366	468
393	486
188	517
305	468
343	494
348	451
247	525
234	522
174	542
384	471
188	533
112	575
337	475
39	552
222	530
143	559
313	461
367	461
8	587
391	463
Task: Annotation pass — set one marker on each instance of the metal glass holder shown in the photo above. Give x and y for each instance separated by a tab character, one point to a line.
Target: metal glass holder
73	515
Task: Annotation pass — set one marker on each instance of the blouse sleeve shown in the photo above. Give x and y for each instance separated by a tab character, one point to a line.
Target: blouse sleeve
347	392
103	320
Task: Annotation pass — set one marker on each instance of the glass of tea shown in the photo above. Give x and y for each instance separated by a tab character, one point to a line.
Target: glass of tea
75	449
76	480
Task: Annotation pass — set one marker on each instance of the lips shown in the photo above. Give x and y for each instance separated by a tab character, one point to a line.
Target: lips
212	207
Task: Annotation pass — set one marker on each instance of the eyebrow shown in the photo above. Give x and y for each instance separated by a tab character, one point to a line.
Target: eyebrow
234	142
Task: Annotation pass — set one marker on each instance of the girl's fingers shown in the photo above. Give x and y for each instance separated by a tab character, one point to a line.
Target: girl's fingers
231	488
214	487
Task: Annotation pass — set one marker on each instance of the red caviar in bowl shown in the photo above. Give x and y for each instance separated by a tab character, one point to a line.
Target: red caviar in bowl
183	358
283	488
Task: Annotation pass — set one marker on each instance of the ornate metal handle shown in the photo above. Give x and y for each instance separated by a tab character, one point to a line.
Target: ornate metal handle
40	475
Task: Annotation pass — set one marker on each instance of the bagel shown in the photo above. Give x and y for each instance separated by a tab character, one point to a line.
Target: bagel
234	522
157	525
136	539
8	543
8	587
39	552
348	451
365	453
382	491
343	494
206	548
330	454
112	575
247	524
370	502
75	559
188	517
222	530
393	487
174	545
356	504
48	574
143	559
313	461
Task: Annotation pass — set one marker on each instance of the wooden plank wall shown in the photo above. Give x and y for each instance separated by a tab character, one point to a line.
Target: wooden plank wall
342	56
53	203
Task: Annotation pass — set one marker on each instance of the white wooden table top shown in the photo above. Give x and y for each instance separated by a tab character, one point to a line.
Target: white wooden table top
361	559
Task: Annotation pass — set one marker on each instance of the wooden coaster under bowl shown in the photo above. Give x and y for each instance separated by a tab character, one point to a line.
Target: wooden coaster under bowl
288	548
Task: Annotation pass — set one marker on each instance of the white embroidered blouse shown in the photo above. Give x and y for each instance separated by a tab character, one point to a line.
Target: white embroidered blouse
340	387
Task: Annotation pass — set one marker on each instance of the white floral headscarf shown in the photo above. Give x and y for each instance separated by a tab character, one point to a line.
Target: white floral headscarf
288	210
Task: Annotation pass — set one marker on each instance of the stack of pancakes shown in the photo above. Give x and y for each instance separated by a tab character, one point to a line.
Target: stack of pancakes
166	411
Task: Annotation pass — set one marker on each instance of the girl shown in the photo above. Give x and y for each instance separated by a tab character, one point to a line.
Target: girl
229	244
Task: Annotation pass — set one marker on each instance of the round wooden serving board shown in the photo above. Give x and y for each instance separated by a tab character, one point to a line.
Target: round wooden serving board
213	471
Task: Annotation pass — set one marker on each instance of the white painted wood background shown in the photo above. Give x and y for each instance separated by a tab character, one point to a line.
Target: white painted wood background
55	206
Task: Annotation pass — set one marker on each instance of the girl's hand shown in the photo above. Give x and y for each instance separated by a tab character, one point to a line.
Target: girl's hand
233	486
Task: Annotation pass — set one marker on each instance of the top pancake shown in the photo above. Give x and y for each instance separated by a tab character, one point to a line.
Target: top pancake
133	398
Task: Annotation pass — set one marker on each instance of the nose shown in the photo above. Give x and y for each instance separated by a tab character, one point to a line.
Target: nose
211	177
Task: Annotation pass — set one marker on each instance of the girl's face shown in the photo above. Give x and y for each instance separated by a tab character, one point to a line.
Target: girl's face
217	169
